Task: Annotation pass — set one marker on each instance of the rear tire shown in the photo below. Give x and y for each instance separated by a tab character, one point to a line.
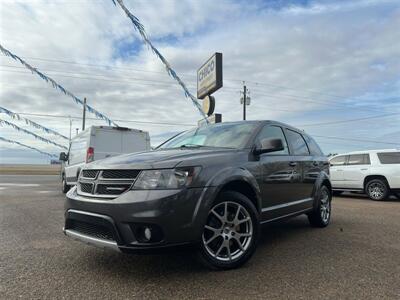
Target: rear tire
321	215
64	186
377	189
231	232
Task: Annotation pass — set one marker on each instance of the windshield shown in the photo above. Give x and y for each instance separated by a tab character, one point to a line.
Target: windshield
222	135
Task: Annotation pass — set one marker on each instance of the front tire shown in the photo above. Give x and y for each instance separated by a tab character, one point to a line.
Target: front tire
321	215
64	186
231	232
377	189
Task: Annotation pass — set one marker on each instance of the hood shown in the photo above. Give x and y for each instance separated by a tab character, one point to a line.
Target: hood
159	159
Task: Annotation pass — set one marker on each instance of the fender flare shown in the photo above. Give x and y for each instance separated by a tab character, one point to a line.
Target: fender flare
323	177
227	175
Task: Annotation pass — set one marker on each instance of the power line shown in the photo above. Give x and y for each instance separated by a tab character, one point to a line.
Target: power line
258	83
355	140
191	125
188	74
157	83
350	120
54	84
119	120
150	82
30	122
91	74
311	100
26	146
31	133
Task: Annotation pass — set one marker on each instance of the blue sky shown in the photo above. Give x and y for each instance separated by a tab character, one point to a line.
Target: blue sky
323	66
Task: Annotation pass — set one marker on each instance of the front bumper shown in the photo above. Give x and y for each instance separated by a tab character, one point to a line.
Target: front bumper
178	217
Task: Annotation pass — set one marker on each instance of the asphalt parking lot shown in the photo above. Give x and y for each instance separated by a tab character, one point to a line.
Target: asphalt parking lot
357	256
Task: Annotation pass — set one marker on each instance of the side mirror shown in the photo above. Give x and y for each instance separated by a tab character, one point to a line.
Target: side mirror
63	156
269	145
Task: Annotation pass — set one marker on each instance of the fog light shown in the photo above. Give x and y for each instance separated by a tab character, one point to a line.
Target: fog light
147	233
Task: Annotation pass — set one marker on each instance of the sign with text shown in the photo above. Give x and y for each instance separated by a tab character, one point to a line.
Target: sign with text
214	118
209	76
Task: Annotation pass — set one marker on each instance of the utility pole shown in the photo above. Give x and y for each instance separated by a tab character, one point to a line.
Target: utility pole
84	114
244	102
245	99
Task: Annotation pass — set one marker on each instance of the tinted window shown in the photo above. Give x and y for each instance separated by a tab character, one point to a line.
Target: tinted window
297	142
313	146
338	161
273	132
389	157
359	159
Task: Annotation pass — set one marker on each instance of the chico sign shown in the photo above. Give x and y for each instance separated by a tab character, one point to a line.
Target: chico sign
209	76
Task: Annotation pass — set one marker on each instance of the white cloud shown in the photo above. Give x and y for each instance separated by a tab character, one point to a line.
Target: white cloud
299	55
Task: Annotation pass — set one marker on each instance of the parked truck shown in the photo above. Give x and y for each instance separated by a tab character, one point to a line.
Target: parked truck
99	142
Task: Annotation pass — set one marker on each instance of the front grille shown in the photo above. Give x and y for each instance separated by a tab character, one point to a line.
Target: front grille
94	230
89	173
106	183
112	189
120	174
86	187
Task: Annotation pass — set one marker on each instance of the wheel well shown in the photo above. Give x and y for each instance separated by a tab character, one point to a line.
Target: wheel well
244	188
371	177
328	184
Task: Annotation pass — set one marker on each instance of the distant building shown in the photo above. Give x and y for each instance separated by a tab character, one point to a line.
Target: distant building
55	162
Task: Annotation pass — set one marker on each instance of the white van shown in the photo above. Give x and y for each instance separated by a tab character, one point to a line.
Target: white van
99	142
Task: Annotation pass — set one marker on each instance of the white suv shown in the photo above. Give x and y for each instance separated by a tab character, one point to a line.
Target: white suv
376	172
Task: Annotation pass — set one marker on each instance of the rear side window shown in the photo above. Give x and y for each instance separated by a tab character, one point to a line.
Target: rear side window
297	142
313	146
359	159
338	161
389	157
273	132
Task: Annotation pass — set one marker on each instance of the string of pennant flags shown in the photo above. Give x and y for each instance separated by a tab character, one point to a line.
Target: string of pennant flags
4	122
140	28
14	115
26	146
57	86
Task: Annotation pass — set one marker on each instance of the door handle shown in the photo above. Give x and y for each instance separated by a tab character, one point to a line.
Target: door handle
293	164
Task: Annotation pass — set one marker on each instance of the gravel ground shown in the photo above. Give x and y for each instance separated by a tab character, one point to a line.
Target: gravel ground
356	257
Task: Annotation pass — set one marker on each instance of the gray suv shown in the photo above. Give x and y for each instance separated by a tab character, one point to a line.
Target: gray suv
211	187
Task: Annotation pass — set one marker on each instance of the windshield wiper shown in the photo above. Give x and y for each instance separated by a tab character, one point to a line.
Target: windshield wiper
191	146
203	146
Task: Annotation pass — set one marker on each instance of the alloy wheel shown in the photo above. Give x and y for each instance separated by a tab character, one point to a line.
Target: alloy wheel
228	231
325	207
376	190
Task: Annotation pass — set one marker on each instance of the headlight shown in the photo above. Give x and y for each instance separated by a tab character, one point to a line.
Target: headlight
165	178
